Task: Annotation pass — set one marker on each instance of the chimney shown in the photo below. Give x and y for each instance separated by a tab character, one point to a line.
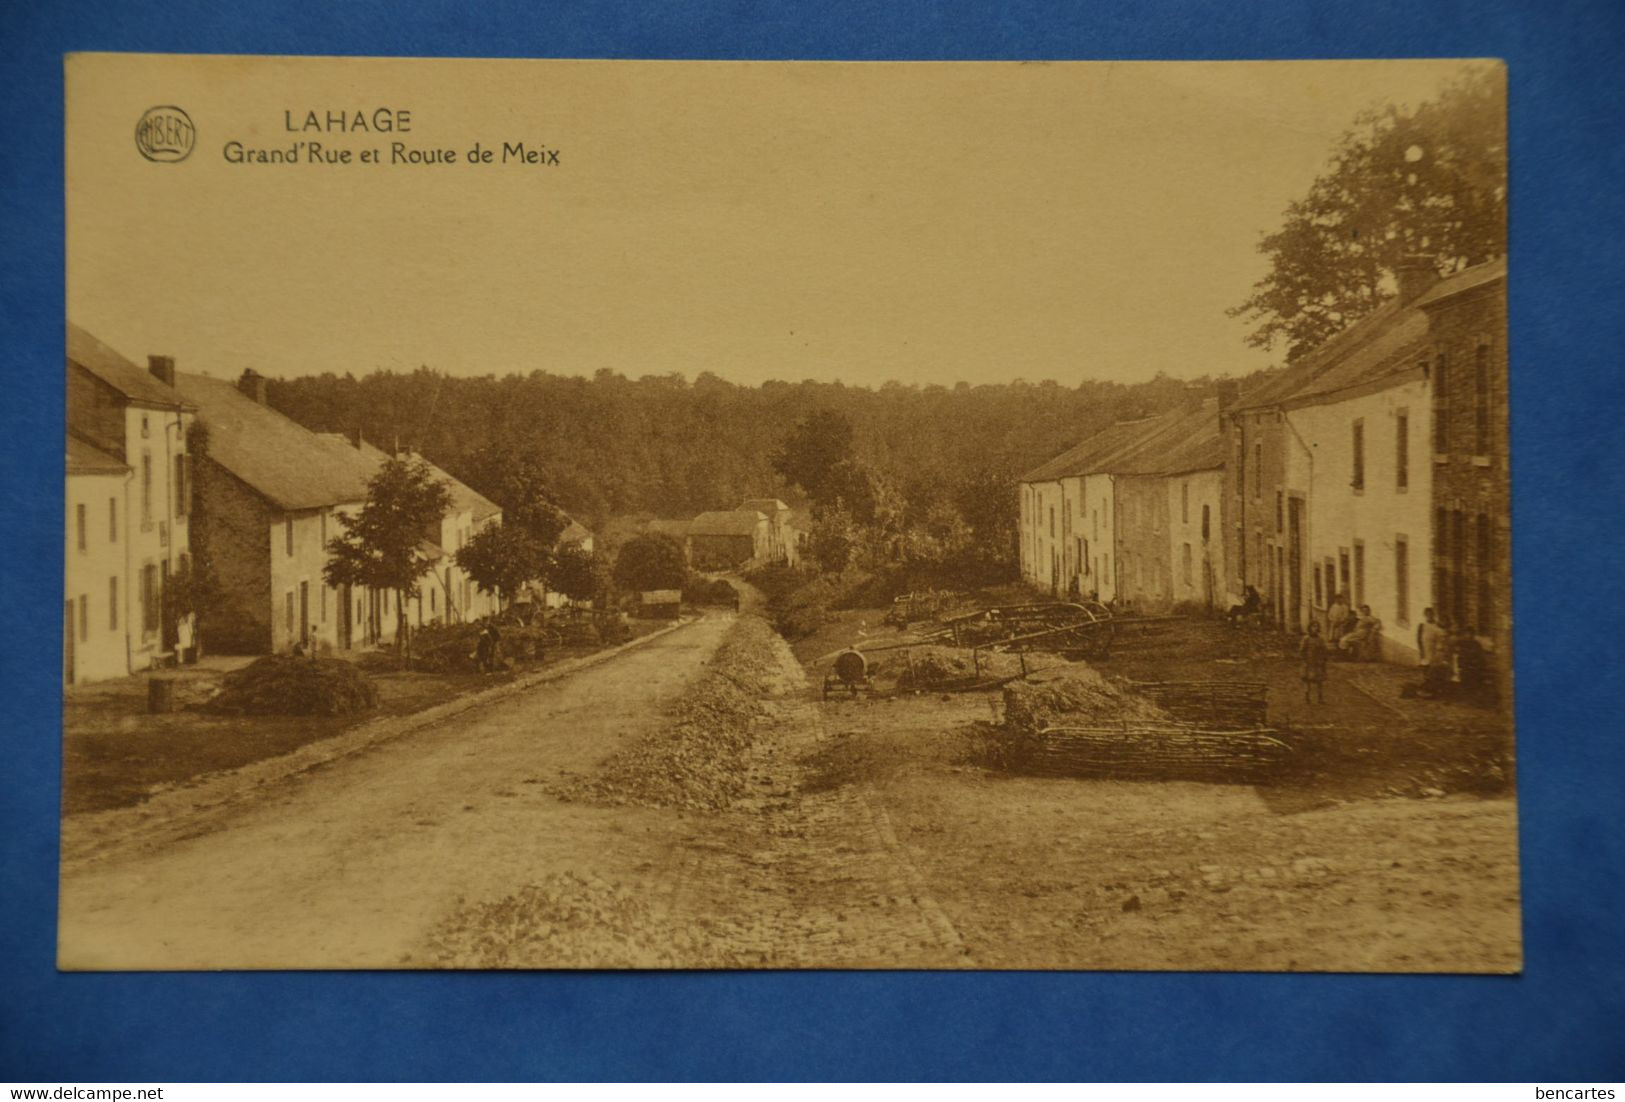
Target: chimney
162	368
1227	391
252	383
1415	274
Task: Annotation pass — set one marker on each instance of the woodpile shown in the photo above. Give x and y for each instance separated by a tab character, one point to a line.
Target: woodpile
1222	705
1168	752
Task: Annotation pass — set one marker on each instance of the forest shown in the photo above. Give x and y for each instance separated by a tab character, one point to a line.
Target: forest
610	445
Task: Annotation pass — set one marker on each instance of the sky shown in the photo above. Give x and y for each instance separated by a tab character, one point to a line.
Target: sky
918	222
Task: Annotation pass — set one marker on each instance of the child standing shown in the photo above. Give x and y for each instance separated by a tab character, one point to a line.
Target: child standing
1314	651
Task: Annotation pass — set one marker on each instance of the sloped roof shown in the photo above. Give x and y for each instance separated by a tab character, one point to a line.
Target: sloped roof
281	460
1377	346
135	383
732	522
765	505
1464	281
84	458
574	532
1083	458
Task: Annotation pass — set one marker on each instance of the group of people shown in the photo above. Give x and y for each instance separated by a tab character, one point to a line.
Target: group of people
1453	662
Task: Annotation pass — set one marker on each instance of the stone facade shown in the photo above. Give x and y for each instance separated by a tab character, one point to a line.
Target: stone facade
1469	451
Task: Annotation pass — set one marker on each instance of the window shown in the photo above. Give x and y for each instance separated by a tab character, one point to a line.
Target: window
1258	471
1185	562
1315	572
1485	602
287	535
146	489
1402	449
1402	579
84	617
1343	573
80	525
1052	522
112	520
183	489
112	603
1441	405
149	598
1280	512
1066	517
1481	401
287	605
324	530
431	601
1184	503
1359	573
145	429
1241	466
1204	524
1358	478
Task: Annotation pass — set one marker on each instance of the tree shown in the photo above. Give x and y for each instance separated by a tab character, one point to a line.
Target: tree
379	545
834	539
501	558
574	573
516	481
1429	183
652	560
813	450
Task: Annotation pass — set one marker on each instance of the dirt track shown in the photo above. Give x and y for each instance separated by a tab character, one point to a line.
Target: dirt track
866	834
351	865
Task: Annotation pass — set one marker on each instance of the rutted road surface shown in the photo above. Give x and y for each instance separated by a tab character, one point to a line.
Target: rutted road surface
350	865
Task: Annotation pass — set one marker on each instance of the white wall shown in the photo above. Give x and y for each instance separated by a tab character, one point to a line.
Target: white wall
157	535
1379	516
96	581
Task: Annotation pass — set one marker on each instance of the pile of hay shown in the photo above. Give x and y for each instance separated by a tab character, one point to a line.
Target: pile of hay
281	685
1079	696
697	760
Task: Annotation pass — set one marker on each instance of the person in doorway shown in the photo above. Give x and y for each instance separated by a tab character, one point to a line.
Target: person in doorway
485	648
1314	652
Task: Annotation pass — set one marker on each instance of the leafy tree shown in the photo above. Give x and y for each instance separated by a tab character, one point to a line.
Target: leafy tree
1428	183
652	560
501	558
379	545
817	446
516	481
574	573
835	538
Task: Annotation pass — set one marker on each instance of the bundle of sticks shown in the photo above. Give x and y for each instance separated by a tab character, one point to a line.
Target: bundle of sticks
1224	705
1151	752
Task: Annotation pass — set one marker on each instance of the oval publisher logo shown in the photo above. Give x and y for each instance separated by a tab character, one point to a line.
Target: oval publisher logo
165	134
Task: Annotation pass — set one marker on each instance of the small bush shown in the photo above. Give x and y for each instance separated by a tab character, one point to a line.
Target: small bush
282	685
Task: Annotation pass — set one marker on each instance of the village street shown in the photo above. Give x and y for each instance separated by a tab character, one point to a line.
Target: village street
866	835
350	865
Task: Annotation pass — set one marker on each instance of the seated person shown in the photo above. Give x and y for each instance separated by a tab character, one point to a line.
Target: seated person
1249	606
1362	639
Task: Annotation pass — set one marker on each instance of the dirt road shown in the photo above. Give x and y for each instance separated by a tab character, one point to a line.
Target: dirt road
351	865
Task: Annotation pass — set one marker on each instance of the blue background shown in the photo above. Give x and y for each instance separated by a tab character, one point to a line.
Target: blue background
1563	1020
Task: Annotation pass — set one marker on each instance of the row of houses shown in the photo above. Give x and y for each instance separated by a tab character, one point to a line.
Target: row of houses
266	493
1374	468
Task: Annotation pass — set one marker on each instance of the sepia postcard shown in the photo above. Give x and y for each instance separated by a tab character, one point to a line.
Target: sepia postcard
665	515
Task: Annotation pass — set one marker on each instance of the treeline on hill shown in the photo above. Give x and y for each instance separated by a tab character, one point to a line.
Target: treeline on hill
609	445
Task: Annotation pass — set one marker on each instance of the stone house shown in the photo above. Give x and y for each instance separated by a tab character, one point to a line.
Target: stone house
272	492
135	418
1469	455
727	539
